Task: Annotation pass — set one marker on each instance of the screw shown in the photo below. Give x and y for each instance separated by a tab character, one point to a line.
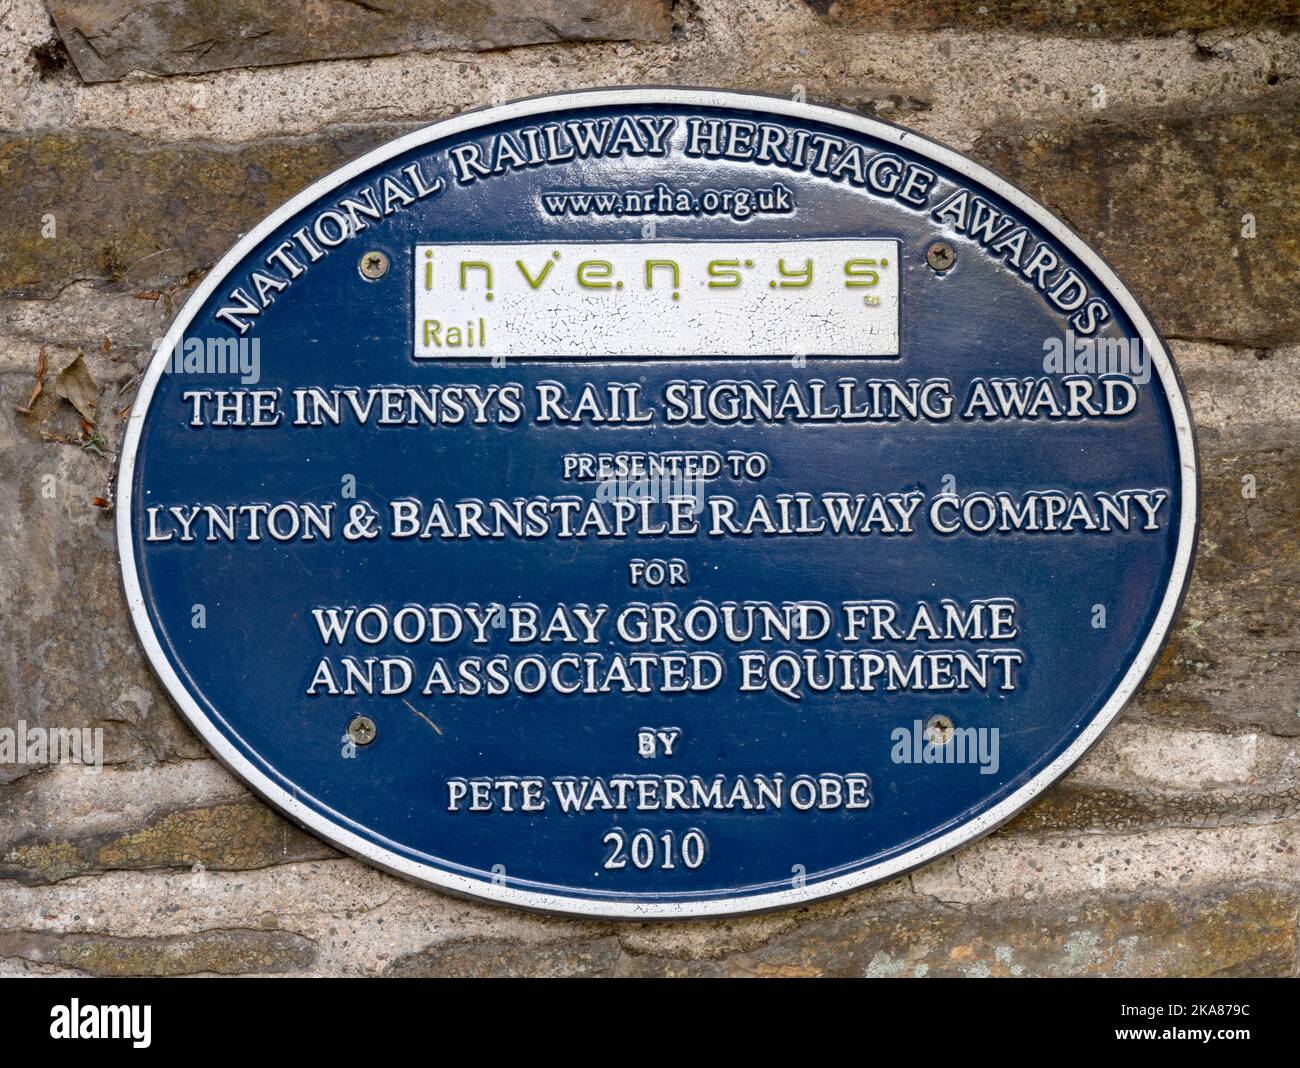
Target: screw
940	256
939	730
362	730
374	265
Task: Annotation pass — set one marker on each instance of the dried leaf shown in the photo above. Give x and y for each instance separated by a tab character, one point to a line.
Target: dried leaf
37	386
78	388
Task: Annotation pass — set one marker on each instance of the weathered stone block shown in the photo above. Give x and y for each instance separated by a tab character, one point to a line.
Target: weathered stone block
69	657
1084	18
1223	931
1234	657
137	216
1170	201
1068	808
108	40
229	952
236	836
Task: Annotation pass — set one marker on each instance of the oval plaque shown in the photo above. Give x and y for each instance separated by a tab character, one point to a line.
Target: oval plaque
656	503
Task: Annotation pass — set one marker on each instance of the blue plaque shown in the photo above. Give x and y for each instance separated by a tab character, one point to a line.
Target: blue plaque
656	503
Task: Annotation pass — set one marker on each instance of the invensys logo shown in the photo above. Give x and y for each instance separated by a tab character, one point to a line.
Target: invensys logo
606	299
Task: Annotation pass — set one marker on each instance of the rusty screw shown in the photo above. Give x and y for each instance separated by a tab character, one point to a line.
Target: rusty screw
362	730
940	256
939	730
374	265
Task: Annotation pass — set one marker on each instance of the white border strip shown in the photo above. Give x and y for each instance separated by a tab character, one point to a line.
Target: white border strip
337	835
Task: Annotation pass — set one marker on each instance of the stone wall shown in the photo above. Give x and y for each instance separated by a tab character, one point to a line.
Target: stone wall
137	141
